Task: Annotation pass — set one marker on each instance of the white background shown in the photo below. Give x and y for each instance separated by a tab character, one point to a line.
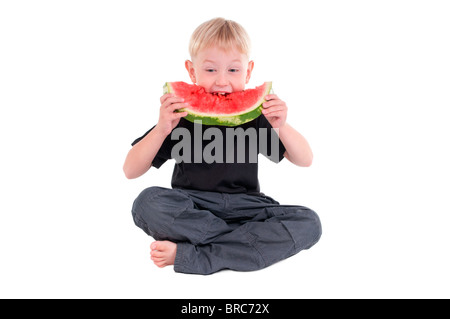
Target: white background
367	82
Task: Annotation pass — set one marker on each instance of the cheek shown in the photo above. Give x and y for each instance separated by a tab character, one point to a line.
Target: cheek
207	85
239	82
203	79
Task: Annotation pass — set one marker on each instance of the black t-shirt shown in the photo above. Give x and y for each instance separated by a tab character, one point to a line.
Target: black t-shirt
219	158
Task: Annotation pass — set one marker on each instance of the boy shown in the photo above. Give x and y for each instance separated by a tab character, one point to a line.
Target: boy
215	217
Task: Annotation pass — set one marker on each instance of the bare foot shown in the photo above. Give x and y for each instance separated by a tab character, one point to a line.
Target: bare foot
163	253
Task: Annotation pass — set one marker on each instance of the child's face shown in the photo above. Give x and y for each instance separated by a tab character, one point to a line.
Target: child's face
220	71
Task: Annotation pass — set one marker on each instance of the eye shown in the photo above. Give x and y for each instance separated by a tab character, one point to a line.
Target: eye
210	70
233	70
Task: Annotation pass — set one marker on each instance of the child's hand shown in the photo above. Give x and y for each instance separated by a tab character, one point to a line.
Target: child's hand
168	118
275	111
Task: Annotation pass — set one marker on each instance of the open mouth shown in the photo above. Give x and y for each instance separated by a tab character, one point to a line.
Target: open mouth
221	93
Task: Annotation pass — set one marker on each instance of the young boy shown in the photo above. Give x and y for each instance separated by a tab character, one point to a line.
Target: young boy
215	217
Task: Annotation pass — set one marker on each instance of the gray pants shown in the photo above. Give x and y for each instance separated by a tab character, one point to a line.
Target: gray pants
216	231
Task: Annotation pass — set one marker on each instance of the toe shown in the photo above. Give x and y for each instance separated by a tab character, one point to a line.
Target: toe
157	253
160	263
157	260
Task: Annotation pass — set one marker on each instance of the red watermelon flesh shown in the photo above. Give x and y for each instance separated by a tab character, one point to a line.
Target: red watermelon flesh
216	109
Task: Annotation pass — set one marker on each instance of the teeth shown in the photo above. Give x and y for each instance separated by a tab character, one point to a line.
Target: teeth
220	93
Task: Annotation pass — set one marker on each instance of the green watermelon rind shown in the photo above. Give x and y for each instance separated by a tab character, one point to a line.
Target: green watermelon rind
243	117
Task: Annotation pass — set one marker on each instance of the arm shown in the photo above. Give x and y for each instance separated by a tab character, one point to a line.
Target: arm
139	159
298	150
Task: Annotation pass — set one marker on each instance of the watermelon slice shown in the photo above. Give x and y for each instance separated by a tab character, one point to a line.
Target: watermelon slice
216	109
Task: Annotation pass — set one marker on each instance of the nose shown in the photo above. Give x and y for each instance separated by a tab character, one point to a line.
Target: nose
221	79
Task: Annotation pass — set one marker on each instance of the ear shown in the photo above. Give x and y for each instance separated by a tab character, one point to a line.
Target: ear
190	68
251	64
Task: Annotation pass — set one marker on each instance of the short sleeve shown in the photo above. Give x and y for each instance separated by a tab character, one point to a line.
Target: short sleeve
270	144
164	152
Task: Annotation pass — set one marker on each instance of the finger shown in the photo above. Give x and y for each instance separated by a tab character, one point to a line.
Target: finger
274	109
273	103
165	97
172	100
271	97
179	115
275	114
177	106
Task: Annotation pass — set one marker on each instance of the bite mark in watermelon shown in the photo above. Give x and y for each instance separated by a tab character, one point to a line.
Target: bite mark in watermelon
215	109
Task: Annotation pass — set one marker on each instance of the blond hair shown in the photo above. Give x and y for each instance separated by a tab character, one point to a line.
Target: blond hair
225	34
